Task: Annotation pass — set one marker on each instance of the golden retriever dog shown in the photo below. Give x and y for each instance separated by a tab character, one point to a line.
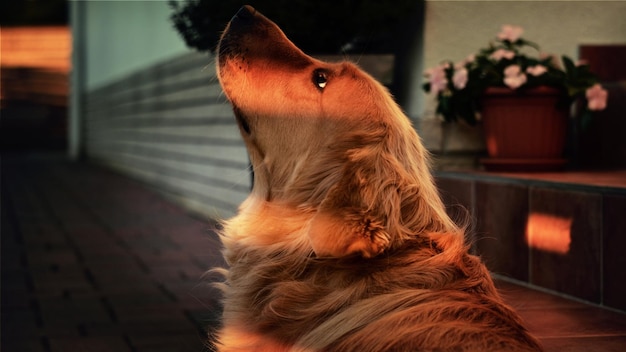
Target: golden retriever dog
344	243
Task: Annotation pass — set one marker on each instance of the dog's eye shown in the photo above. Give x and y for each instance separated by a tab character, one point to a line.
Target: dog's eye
320	78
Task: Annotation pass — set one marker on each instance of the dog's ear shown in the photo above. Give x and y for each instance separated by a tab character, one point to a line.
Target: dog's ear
354	216
347	231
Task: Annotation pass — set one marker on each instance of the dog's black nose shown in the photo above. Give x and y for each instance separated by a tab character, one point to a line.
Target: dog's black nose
246	12
242	19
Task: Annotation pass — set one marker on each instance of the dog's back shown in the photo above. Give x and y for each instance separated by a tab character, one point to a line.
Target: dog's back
426	296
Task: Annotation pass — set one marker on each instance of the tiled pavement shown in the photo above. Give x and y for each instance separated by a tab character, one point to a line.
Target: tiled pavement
93	261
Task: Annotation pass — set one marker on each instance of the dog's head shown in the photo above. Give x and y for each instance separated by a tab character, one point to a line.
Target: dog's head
327	141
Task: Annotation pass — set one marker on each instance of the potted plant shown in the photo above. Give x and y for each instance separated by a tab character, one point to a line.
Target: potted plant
524	101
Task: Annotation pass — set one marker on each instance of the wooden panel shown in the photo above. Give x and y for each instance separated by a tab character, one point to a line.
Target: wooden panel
606	61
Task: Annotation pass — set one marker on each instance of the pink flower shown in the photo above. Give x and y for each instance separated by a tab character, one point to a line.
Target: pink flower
502	53
512	70
510	33
459	79
537	70
596	97
513	76
437	78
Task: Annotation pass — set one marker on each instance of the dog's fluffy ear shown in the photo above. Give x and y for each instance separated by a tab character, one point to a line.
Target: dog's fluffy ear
382	195
353	217
345	232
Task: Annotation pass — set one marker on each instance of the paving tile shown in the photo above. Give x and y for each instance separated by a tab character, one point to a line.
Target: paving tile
88	235
567	322
195	295
136	298
144	286
20	324
90	344
107	255
166	313
12	263
43	235
73	311
156	327
585	343
565	325
110	258
206	318
46	258
170	343
124	272
162	256
56	282
178	273
29	345
522	298
14	279
13	298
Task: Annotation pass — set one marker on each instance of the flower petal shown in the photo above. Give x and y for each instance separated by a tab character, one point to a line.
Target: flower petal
459	79
512	70
510	33
596	97
515	81
536	70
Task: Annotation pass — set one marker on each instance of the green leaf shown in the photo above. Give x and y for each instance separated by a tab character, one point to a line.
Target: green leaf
570	67
528	43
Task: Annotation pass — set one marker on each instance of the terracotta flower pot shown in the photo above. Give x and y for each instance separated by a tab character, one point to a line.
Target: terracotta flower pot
524	130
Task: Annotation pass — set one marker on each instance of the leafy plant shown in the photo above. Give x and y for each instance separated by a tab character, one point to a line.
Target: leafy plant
321	26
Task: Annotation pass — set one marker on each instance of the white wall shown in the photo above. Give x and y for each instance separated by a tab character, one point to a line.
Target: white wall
123	36
455	29
152	108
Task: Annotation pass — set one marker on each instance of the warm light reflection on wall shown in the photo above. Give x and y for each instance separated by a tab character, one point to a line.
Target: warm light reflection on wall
40	47
34	65
492	145
549	233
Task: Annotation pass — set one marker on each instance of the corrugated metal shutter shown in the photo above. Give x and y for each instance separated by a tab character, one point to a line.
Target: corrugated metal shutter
171	126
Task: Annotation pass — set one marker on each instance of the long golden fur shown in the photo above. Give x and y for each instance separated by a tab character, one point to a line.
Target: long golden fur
343	243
